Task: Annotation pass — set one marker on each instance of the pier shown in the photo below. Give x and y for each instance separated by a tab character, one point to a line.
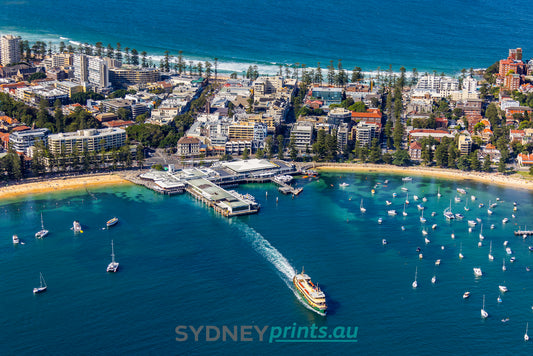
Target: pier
206	183
286	188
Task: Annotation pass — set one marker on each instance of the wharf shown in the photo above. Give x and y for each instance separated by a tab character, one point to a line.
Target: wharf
286	188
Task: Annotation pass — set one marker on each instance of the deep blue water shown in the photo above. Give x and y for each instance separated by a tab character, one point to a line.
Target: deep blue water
182	264
445	36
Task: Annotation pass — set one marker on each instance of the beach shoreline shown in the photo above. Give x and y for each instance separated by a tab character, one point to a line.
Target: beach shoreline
61	184
514	181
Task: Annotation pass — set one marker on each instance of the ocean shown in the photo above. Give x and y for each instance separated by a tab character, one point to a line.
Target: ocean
182	265
427	35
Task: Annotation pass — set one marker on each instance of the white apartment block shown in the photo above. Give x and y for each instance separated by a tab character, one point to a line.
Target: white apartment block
9	49
437	86
93	140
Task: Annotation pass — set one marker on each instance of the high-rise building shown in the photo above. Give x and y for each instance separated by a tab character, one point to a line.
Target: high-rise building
98	73
9	50
80	63
91	70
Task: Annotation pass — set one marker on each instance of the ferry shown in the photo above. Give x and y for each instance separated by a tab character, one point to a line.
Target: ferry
112	222
312	295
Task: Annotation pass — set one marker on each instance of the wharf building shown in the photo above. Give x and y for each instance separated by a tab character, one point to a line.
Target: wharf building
205	184
92	140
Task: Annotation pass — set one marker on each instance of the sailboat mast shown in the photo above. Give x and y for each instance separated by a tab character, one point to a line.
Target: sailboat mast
112	252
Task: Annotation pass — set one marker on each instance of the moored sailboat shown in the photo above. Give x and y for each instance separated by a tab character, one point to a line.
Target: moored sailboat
113	265
484	313
42	287
43	232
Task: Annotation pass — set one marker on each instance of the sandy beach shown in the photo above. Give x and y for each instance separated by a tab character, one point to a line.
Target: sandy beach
514	181
63	183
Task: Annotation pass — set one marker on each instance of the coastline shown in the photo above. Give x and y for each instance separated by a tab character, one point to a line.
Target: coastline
514	181
63	183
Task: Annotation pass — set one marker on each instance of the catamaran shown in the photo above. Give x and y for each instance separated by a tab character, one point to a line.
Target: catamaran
448	212
43	232
42	287
113	266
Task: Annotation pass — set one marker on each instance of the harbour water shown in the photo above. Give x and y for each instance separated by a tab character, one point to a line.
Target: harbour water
182	264
427	35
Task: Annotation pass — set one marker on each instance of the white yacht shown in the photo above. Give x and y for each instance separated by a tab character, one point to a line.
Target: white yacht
478	272
76	226
113	265
42	287
466	295
434	279
437	262
384	242
392	212
43	232
508	250
484	313
505	220
503	289
380	220
426	240
16	240
388	202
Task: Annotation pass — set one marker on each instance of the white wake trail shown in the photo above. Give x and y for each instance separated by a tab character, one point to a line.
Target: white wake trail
269	252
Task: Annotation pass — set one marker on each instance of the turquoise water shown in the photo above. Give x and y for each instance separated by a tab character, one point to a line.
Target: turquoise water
181	264
444	36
